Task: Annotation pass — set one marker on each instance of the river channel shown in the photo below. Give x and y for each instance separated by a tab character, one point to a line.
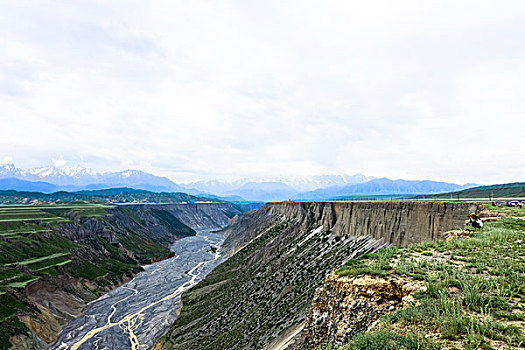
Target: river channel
136	314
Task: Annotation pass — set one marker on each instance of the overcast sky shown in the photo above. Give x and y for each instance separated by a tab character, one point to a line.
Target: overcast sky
227	89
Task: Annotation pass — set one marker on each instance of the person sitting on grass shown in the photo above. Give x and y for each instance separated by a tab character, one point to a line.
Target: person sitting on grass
475	221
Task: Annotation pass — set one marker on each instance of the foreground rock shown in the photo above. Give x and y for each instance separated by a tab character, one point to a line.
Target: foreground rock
345	306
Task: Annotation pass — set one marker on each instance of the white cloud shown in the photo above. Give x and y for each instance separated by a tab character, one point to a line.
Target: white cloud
59	162
209	89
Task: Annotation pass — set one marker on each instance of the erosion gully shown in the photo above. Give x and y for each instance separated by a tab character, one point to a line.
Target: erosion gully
139	312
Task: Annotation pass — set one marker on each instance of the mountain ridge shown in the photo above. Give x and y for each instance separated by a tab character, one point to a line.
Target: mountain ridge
319	187
79	178
383	186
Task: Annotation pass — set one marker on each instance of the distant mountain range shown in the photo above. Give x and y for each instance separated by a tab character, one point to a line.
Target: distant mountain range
322	187
50	179
296	184
384	186
508	190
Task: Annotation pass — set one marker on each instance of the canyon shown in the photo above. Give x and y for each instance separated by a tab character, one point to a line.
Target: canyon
254	292
101	247
280	254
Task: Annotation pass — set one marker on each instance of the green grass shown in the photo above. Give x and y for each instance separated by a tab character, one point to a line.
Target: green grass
174	225
474	285
35	260
51	260
50	265
9	323
8	273
131	215
142	247
78	211
113	269
49	214
114	265
25	250
387	340
22	283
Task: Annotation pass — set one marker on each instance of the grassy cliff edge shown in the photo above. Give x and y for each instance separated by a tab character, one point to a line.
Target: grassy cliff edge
472	295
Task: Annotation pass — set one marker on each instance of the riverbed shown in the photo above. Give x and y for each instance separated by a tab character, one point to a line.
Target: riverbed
139	312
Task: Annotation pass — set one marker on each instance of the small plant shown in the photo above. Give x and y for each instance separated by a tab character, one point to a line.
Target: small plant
385	340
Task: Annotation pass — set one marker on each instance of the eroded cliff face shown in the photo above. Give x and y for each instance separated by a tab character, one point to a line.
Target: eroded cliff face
127	237
197	216
281	253
345	306
397	223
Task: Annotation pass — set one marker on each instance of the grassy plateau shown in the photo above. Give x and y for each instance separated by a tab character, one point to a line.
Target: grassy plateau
475	291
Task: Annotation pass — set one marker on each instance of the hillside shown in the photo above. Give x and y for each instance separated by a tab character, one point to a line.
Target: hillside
113	195
508	190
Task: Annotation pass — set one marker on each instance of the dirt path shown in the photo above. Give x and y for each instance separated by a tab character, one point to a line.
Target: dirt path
287	339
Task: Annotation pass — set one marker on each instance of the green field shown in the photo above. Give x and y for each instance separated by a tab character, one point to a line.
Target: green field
27	239
113	195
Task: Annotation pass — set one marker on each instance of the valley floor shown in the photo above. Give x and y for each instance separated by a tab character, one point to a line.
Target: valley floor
136	314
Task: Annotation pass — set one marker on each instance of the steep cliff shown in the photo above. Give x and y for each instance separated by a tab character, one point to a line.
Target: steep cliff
53	265
280	254
397	223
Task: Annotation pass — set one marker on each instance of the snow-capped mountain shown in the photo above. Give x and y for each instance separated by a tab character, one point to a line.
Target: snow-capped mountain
9	170
320	187
61	176
216	187
295	183
310	183
79	178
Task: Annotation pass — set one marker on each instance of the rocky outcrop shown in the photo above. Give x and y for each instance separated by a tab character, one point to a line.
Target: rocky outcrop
281	253
345	306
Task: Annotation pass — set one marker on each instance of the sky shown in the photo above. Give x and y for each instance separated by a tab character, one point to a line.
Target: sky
199	89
